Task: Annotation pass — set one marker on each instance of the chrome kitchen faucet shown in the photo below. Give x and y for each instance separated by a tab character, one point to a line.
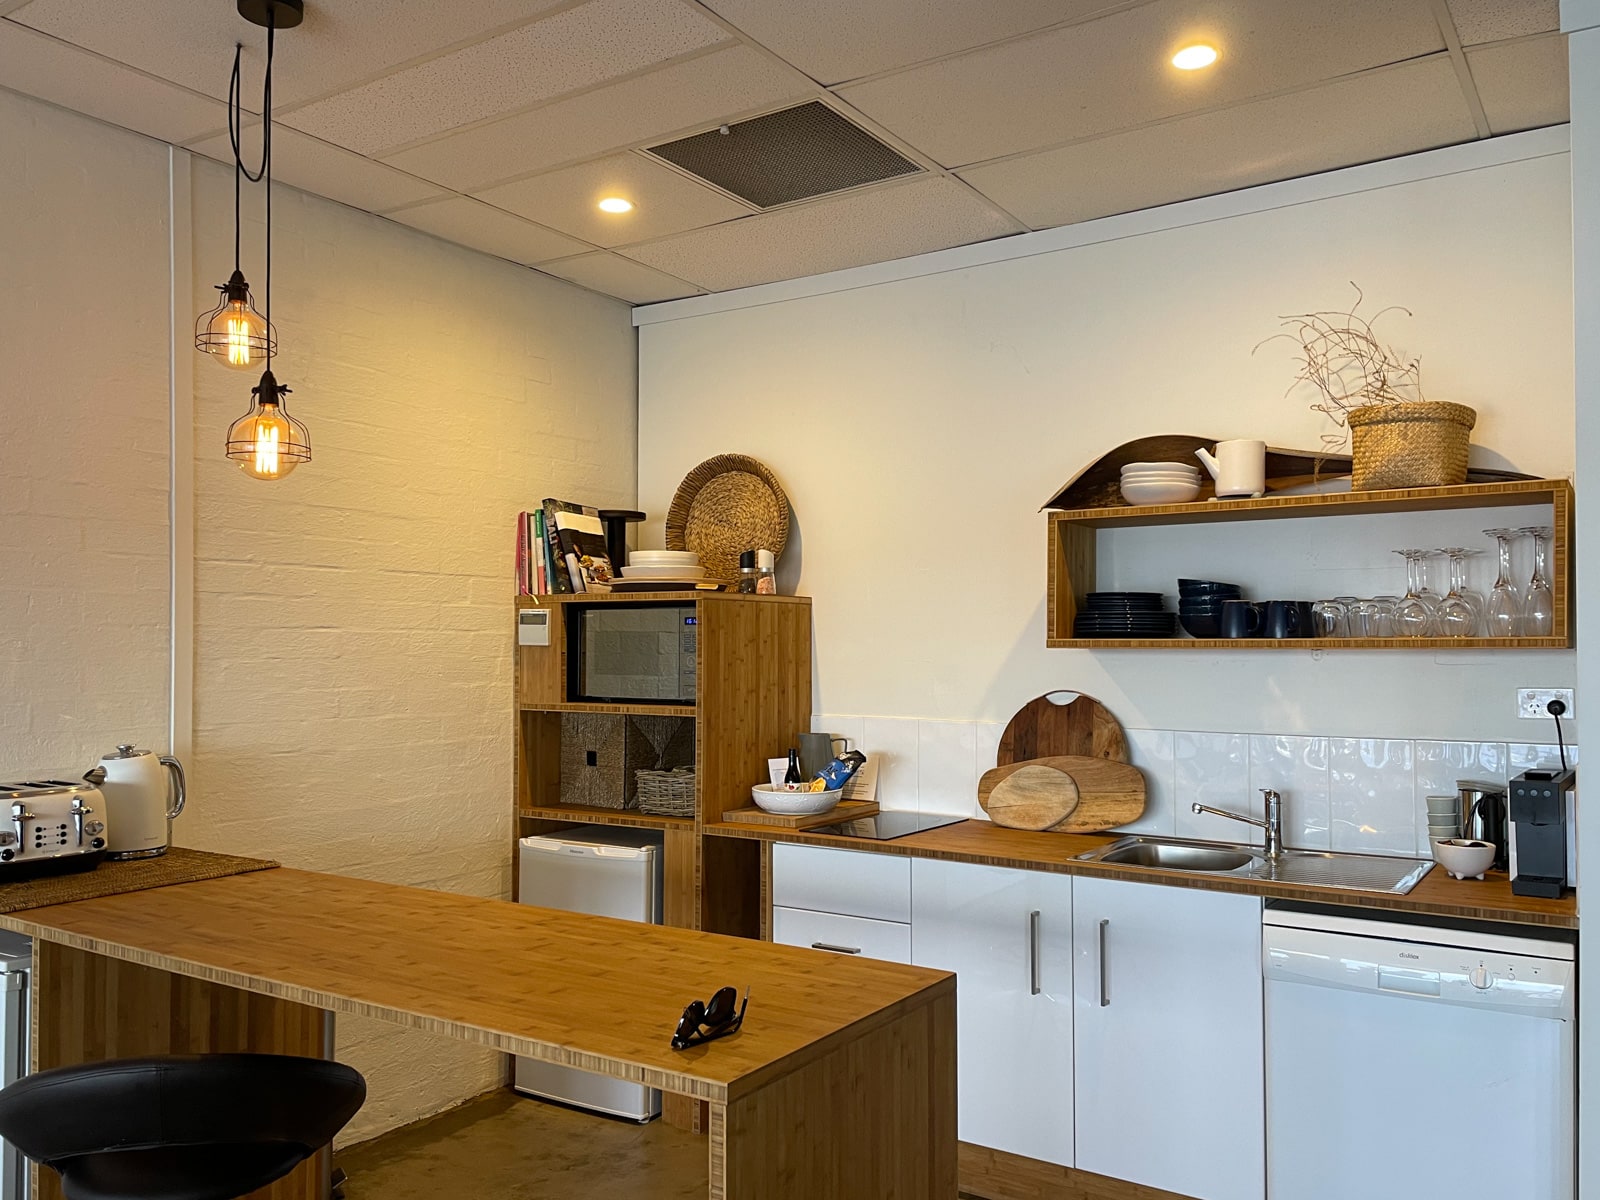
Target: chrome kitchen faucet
1273	824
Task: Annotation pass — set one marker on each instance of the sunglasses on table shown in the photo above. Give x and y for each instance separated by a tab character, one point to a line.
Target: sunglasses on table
708	1021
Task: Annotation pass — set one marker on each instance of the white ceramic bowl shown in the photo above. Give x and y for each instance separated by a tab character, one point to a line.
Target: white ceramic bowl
776	800
1153	478
1164	492
1443	805
686	574
1462	858
1136	468
663	558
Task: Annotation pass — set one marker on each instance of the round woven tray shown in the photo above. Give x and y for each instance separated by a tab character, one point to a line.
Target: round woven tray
725	506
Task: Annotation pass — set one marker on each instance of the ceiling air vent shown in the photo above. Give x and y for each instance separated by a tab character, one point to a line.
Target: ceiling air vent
785	156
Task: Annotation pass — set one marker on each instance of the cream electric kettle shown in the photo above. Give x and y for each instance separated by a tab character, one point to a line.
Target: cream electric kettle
143	792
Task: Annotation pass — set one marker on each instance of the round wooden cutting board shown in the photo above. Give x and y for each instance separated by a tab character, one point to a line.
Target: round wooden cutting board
1063	794
1045	729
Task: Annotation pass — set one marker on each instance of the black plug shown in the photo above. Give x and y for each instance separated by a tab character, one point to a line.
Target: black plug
1556	708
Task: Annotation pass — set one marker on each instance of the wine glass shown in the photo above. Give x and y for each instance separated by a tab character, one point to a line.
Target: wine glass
1505	603
1415	615
1539	604
1461	613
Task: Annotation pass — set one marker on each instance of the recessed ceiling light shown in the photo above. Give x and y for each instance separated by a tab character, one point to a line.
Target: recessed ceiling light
616	204
1193	58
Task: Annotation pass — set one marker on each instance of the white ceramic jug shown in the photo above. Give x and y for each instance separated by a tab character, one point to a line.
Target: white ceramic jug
1239	467
143	793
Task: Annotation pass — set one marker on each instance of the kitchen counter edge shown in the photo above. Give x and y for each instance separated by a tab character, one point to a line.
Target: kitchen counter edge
985	844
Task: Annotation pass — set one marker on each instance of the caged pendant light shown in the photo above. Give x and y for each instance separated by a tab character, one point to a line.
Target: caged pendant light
266	442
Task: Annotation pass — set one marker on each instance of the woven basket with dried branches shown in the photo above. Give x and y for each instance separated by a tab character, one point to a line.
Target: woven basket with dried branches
1374	396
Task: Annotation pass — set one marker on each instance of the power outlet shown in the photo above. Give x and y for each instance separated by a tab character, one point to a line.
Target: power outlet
1531	703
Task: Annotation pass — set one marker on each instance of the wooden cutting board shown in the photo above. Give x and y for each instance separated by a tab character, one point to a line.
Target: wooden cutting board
845	810
1063	794
1045	729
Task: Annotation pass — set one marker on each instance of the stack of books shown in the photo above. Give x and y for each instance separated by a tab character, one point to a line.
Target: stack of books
561	549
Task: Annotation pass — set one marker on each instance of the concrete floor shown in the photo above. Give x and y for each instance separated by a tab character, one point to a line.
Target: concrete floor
507	1147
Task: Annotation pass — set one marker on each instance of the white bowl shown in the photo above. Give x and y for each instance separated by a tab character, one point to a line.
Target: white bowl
1462	858
1443	804
792	804
1155	478
1134	468
1165	492
687	574
661	558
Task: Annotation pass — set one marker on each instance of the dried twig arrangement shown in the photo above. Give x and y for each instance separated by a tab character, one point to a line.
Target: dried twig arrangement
1342	358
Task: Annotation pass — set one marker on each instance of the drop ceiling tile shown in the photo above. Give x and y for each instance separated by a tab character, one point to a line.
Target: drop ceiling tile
836	40
1496	20
664	201
1113	73
1397	110
61	73
1522	84
483	227
574	49
620	277
893	221
314	166
647	108
191	41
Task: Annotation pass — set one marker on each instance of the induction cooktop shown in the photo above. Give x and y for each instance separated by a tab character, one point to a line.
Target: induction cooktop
887	826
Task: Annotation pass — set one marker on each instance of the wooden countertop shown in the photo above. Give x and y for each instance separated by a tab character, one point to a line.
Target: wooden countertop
589	992
1437	894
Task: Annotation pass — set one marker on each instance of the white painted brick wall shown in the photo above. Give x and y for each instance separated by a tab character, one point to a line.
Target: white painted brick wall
353	621
83	438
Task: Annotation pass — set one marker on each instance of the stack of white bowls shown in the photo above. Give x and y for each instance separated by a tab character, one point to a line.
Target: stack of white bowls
1160	483
674	566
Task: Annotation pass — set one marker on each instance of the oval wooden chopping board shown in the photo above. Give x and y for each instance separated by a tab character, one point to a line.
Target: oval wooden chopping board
1044	729
1063	794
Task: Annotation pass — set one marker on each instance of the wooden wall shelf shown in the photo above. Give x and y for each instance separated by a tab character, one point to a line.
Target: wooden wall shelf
625	710
629	818
1072	566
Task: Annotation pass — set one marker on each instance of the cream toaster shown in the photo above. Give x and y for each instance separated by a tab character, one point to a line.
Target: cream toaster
50	826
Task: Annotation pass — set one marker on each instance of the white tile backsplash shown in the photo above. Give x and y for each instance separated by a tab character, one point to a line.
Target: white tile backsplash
1214	769
1297	769
1372	796
947	780
895	742
1351	794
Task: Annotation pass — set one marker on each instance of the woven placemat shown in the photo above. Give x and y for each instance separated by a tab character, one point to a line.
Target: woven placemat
177	865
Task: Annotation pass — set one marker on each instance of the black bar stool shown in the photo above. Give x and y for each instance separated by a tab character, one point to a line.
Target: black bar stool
183	1127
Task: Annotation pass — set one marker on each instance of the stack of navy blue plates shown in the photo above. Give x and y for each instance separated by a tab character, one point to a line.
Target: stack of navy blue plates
1124	615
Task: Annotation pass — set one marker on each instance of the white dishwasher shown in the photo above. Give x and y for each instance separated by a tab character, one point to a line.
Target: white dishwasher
1409	1060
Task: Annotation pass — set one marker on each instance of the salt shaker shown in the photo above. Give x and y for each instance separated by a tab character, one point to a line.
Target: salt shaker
766	573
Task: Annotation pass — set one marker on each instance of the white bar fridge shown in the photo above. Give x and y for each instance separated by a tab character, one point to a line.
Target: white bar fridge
607	872
16	963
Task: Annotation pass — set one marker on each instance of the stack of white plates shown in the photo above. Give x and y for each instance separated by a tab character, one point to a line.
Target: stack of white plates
1160	483
664	564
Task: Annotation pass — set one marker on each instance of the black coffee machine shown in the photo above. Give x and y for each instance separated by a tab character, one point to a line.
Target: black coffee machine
1539	819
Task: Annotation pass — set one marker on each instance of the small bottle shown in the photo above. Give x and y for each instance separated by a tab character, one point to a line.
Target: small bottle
749	573
791	777
766	575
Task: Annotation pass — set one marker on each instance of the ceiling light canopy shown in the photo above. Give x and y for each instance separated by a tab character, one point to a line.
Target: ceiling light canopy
616	204
1195	57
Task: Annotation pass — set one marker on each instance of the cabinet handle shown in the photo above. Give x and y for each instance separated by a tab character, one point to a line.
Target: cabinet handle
1033	953
836	949
1105	979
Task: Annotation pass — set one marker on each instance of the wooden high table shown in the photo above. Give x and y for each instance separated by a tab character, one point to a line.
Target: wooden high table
841	1084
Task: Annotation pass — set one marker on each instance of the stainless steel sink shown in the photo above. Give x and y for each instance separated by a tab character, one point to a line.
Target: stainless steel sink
1176	856
1315	868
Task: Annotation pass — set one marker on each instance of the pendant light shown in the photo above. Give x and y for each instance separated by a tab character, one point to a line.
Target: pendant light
266	442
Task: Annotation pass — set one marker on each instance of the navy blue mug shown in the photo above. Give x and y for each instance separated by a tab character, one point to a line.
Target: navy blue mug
1241	619
1287	619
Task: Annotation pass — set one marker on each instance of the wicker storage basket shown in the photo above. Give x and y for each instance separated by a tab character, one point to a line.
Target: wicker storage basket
667	793
602	753
1410	445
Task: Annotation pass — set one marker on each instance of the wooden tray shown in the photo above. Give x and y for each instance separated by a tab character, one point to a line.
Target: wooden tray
845	810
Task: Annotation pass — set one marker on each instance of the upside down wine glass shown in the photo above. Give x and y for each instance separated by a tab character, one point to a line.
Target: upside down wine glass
1415	615
1538	606
1505	604
1461	612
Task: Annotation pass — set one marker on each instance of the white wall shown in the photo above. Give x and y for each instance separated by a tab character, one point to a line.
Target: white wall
352	707
83	439
918	424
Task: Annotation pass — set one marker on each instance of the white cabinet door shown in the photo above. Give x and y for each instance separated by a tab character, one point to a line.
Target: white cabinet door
886	940
1168	1038
856	883
1007	934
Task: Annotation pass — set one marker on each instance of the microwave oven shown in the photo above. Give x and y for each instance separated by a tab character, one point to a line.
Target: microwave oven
632	653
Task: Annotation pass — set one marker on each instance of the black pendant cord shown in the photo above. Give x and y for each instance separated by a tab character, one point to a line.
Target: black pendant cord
235	133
